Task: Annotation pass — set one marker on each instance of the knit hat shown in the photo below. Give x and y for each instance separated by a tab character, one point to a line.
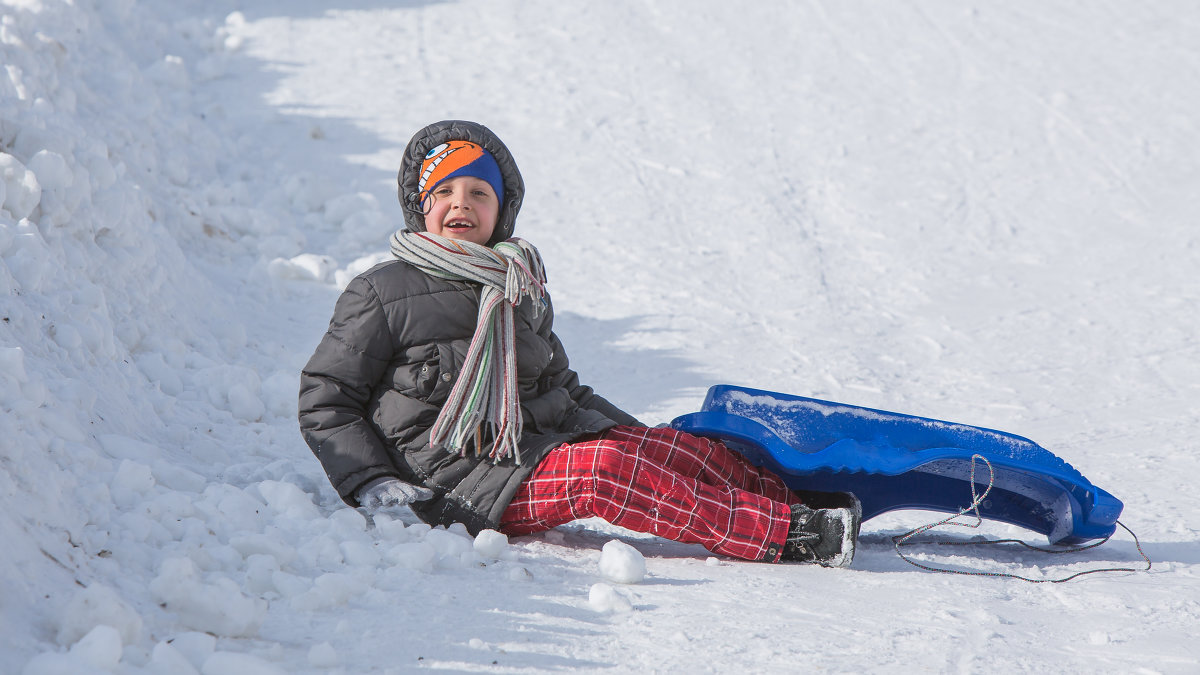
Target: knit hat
459	158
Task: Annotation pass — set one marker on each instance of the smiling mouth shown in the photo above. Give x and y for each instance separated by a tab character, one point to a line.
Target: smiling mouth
459	225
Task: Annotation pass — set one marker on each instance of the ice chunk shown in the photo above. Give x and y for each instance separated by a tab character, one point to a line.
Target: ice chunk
195	647
304	267
22	190
359	554
329	590
449	544
218	607
274	546
12	363
417	555
100	648
131	483
288	500
167	659
96	605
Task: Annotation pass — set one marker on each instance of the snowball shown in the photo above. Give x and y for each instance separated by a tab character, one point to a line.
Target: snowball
491	544
322	655
218	607
225	663
604	598
622	563
95	605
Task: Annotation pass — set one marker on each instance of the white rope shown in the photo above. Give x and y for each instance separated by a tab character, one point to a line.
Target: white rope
973	507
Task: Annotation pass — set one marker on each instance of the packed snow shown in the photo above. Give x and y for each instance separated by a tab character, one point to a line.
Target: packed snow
976	212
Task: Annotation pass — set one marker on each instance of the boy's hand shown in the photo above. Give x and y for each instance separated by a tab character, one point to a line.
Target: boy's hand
383	493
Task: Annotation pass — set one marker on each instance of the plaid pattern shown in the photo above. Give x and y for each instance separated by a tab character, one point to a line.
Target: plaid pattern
663	482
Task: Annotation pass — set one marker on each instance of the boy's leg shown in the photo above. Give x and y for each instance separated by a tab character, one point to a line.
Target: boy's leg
704	459
610	479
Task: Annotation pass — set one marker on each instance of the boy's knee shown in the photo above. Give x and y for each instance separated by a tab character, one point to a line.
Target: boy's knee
611	457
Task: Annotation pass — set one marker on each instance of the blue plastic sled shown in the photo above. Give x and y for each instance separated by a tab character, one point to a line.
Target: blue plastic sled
892	461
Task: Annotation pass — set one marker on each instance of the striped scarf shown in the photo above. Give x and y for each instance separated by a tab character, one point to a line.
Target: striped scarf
486	389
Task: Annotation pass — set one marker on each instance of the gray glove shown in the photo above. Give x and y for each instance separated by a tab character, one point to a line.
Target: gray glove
383	493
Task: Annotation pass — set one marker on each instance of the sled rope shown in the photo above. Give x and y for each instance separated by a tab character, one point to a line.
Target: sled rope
976	499
486	388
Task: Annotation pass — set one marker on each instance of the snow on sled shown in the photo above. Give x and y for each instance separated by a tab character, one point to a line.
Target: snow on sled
892	461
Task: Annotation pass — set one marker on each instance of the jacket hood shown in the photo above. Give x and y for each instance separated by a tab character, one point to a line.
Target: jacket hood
458	130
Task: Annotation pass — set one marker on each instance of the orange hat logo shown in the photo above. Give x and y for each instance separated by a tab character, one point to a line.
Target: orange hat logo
444	160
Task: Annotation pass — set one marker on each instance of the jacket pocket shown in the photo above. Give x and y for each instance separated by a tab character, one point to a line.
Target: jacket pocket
445	372
416	372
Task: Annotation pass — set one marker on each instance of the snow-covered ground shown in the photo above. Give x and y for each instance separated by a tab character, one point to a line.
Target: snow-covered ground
980	212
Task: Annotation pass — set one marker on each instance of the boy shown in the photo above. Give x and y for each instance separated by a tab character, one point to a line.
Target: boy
441	385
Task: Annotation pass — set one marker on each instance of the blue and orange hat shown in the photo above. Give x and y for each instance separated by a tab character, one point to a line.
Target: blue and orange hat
459	158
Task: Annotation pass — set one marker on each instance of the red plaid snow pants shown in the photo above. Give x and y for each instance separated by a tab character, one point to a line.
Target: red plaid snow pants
661	481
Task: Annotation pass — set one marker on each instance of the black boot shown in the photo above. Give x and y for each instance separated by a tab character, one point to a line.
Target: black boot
827	500
823	536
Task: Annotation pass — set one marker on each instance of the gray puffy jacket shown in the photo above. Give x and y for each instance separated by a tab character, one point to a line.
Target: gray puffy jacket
377	381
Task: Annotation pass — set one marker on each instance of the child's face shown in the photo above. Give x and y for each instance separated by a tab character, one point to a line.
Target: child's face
463	208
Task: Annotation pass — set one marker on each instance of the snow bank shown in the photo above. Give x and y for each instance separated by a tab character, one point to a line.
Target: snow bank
133	264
